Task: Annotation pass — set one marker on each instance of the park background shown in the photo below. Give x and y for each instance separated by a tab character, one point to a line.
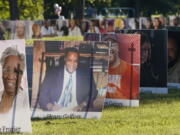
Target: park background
157	114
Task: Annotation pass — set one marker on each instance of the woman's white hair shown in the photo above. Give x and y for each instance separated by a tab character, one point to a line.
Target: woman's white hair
12	52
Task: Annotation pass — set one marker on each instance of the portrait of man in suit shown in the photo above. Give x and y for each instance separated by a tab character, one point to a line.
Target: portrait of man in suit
68	86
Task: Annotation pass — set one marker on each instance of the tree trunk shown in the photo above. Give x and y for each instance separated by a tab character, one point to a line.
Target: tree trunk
14	11
79	8
137	8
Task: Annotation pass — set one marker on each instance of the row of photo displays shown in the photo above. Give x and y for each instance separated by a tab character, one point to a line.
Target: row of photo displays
73	27
71	79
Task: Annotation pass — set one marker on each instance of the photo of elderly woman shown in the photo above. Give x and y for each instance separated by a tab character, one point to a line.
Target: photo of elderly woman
20	30
14	103
12	70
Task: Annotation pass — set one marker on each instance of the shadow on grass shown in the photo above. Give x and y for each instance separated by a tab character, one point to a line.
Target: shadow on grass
57	123
114	107
145	98
46	118
50	121
148	98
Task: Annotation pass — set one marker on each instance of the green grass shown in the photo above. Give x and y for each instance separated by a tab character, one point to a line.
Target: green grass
157	115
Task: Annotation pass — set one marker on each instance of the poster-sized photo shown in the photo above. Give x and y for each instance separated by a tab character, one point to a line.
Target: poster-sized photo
153	60
118	24
14	99
20	29
173	57
132	23
124	68
145	23
5	30
173	21
152	22
69	79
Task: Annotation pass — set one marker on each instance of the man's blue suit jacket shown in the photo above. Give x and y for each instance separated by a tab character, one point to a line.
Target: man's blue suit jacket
51	88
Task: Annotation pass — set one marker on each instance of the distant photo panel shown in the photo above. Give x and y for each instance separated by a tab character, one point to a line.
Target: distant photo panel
174	57
153	60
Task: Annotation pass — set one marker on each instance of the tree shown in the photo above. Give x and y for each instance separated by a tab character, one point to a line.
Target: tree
21	9
73	6
4	9
40	9
149	7
31	9
66	5
14	11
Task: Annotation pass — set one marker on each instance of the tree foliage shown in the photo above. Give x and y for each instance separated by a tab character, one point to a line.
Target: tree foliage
148	7
142	7
40	9
73	6
28	9
4	9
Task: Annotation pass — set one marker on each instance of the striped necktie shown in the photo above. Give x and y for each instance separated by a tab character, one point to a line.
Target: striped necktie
67	94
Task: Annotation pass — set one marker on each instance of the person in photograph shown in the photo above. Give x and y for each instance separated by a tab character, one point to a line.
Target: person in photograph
173	60
131	23
148	24
47	30
36	29
162	20
102	27
63	30
110	25
13	64
20	30
68	86
119	24
119	74
157	24
2	31
176	21
74	30
92	27
84	26
148	76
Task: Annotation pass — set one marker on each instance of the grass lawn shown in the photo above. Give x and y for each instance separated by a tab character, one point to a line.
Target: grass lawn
157	115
